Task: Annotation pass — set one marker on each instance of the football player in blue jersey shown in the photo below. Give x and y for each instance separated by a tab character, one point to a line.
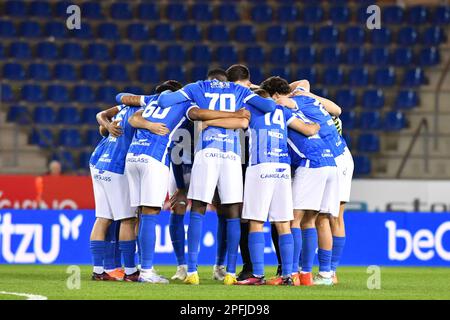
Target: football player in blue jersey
217	164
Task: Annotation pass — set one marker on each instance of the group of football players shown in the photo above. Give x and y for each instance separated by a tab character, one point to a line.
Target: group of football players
262	152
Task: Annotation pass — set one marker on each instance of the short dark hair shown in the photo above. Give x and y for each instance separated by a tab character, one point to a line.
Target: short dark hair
218	74
238	72
276	85
171	85
262	93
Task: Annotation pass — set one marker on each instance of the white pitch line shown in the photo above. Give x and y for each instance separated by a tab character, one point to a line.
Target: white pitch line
26	295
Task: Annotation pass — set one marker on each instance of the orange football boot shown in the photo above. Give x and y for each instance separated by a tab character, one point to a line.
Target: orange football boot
306	279
296	279
276	281
118	274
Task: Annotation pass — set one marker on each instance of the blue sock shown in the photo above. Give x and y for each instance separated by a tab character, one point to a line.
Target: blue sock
256	243
324	260
98	252
194	237
297	235
128	249
110	247
233	237
147	238
176	229
221	252
117	254
338	248
139	251
286	242
309	245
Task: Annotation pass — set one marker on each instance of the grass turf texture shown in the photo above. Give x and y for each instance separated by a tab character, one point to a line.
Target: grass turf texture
396	283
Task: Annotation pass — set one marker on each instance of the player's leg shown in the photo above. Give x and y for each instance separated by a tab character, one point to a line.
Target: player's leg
127	246
109	263
233	235
97	246
219	270
286	243
117	254
276	245
297	236
309	245
247	269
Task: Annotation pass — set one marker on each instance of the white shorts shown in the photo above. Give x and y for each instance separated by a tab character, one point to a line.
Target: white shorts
148	180
213	168
173	184
268	193
111	194
345	168
316	189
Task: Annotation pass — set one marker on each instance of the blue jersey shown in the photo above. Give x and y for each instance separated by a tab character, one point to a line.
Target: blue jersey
268	135
110	153
315	111
153	145
311	152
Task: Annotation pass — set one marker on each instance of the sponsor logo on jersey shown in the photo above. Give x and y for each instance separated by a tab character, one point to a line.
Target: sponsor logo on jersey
220	155
219	85
136	159
276	135
141	142
100	177
279	174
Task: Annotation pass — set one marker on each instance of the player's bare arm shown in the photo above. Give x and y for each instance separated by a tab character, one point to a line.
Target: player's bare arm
308	129
137	121
329	105
227	123
286	102
104	119
197	114
300	83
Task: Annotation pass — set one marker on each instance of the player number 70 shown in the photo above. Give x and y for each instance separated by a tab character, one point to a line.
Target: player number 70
222	98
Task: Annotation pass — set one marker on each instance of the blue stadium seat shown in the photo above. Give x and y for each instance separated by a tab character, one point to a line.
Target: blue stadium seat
373	99
108	31
261	13
313	14
175	53
107	94
392	15
433	35
43	137
348	139
19	114
218	33
117	72
175	72
226	54
276	34
57	93
441	15
72	51
6	93
39	71
134	89
7	29
385	77
256	74
355	35
83	94
282	72
138	32
228	12
47	51
346	99
328	35
254	55
2	51
164	32
339	14
304	35
88	115
40	9
363	165
368	142
70	138
394	121
13	71
201	53
307	73
148	73
287	13
92	137
85	33
406	99
244	33
407	36
91	72
414	77
32	93
355	56
44	115
121	11
68	115
333	76
201	12
381	36
148	11
190	32
349	120
30	29
322	92
305	55
20	50
85	156
65	72
123	52
370	120
402	56
358	77
280	55
65	157
60	8
15	8
92	10
331	55
98	52
176	12
429	57
149	53
198	73
418	15
379	56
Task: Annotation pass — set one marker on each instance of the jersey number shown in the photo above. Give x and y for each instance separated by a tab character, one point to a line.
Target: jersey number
152	110
277	118
223	99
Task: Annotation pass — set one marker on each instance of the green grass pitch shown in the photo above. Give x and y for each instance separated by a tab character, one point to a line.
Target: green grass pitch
396	283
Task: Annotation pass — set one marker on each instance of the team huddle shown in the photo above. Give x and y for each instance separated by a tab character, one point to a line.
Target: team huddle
251	153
